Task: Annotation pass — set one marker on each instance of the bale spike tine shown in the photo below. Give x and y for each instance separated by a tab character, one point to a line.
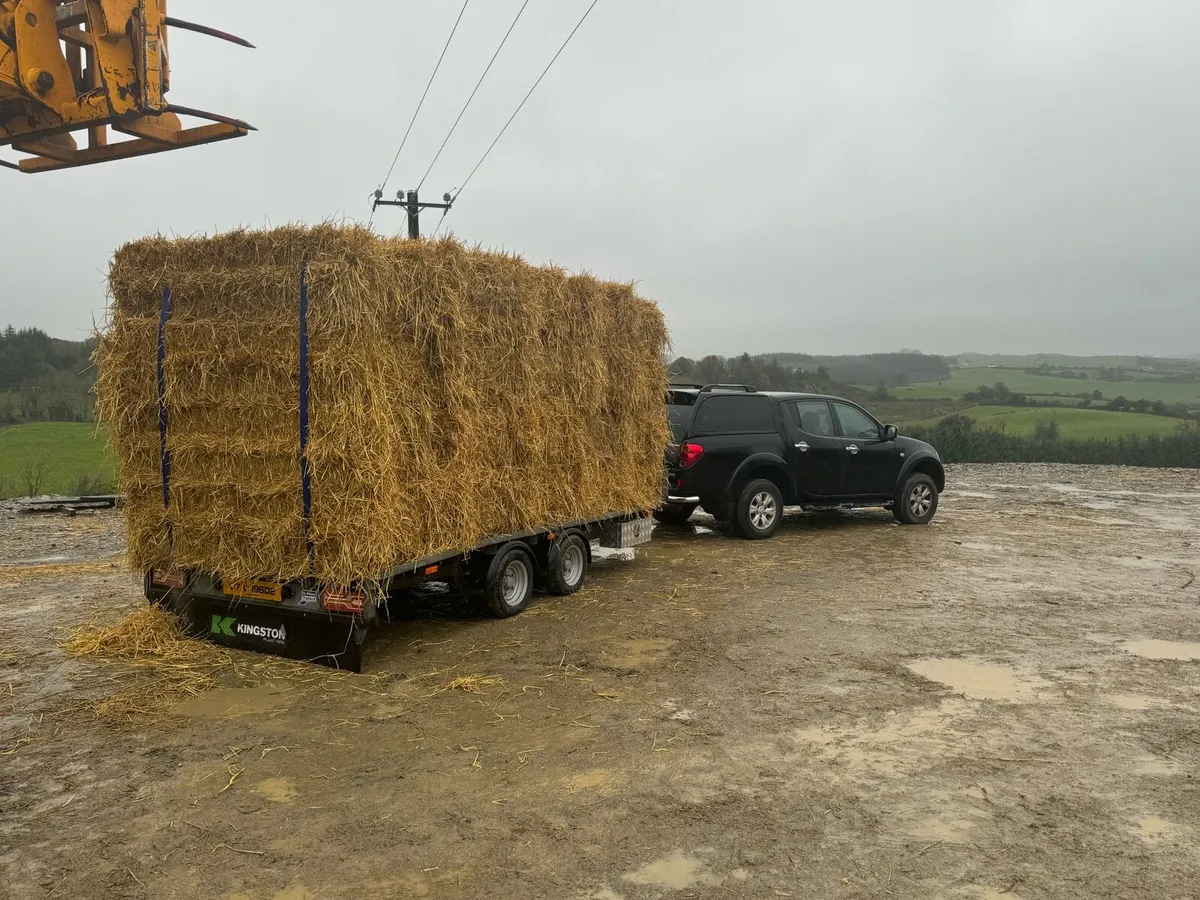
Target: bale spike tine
172	22
212	117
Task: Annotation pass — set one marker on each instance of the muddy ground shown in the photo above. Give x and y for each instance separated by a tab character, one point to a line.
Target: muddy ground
1001	705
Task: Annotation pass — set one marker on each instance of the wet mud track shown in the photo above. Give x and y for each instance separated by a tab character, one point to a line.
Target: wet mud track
1001	705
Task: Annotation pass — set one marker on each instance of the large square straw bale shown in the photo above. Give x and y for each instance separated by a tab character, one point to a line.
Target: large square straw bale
454	394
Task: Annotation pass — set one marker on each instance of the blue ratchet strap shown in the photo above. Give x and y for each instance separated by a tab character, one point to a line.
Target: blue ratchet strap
305	475
162	397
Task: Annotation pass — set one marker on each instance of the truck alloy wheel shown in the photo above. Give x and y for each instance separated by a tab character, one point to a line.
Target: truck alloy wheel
759	509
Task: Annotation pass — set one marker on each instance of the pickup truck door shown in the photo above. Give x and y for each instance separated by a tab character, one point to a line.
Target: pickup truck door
815	451
871	464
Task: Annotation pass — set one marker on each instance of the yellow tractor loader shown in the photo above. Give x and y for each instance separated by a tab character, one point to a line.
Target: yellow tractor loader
91	65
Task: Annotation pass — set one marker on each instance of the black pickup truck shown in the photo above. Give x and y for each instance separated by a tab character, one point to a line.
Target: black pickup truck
744	454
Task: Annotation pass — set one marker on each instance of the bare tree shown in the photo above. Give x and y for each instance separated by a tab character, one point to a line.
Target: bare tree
33	475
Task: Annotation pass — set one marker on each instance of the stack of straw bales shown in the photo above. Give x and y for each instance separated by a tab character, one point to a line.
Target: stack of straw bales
454	394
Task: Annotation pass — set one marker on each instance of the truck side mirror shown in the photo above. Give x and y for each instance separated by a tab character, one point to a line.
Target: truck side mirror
890	432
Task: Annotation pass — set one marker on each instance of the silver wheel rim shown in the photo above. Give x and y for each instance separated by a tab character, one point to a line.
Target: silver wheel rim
920	500
572	564
515	583
763	511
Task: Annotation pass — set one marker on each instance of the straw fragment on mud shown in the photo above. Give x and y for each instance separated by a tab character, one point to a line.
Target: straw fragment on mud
174	667
455	393
471	684
167	667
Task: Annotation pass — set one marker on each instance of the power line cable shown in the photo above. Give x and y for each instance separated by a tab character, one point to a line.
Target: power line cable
527	96
421	102
473	92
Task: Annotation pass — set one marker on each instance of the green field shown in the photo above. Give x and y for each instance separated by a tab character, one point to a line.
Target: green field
963	380
1078	424
72	455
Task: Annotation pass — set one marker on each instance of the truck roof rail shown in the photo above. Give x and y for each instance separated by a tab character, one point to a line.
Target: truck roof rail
748	388
684	384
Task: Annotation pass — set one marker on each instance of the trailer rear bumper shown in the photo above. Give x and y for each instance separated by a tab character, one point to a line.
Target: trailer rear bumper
325	637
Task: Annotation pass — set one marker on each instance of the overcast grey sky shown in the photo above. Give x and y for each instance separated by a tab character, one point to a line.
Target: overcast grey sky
950	175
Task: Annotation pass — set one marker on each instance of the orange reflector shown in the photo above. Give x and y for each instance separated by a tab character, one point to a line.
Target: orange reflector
171	578
429	570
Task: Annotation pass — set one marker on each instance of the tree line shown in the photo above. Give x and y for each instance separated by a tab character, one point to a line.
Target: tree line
802	372
999	394
959	439
44	378
894	369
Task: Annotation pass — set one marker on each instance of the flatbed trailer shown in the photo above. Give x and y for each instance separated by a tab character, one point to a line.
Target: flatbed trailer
303	619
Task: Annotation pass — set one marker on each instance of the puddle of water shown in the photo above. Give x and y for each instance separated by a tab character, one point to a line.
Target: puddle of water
1064	488
611	554
277	790
978	680
677	712
1151	648
1151	829
228	703
677	870
978	892
1154	765
637	653
914	738
951	831
982	547
1133	701
1137	562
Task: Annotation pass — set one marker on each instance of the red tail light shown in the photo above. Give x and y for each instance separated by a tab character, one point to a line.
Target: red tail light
343	600
688	454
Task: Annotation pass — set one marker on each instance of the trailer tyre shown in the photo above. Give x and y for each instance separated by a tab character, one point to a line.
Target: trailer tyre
509	583
567	565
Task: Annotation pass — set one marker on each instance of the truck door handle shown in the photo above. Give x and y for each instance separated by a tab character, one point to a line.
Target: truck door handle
802	447
853	448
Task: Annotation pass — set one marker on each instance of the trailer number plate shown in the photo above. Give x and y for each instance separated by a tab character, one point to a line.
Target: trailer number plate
253	589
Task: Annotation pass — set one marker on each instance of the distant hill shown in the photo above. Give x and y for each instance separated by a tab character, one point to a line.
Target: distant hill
1033	360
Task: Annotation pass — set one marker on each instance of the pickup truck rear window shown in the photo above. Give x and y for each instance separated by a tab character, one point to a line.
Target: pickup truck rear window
679	416
734	414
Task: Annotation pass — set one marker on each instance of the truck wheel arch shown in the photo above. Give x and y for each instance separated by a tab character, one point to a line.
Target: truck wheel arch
927	465
762	465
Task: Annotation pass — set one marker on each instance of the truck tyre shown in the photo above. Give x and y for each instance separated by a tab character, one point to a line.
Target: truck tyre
567	564
675	515
917	501
509	583
759	510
